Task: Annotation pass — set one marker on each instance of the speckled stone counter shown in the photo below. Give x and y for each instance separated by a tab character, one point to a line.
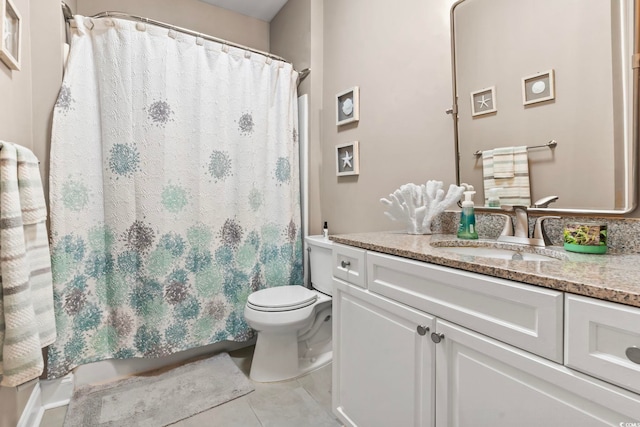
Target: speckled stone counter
612	277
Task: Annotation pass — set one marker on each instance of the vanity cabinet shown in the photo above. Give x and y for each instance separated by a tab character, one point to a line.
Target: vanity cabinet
493	354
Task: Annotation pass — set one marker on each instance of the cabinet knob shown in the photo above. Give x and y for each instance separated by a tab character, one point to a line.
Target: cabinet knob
345	264
436	338
633	353
422	330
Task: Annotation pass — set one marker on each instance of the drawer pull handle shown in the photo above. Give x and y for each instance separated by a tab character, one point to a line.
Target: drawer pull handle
436	338
633	353
345	264
422	330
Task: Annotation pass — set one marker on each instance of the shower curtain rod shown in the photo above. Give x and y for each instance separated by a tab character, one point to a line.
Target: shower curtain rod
66	11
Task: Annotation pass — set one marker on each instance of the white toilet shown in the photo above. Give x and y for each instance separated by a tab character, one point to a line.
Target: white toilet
293	322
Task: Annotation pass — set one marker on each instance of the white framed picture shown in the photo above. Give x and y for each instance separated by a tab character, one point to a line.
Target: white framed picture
538	87
347	159
348	106
484	101
10	31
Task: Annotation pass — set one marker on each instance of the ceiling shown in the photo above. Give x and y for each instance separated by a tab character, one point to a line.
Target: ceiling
260	9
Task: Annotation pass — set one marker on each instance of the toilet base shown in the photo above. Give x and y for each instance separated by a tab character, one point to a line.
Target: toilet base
286	356
264	367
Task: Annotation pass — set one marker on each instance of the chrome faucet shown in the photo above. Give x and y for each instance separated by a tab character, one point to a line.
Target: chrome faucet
521	227
520	232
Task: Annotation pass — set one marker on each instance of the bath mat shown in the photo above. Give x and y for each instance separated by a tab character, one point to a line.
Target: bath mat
159	398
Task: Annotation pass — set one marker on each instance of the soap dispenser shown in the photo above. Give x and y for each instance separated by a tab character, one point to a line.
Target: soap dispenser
493	200
467	228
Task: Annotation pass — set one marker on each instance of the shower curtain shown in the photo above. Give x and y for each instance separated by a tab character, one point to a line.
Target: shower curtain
174	191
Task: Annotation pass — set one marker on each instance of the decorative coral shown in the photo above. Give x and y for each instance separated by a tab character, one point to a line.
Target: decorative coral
417	205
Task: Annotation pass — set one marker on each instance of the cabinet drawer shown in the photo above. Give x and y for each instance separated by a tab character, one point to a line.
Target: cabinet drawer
525	316
349	264
597	338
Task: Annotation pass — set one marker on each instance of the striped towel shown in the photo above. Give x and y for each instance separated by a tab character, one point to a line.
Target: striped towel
514	190
27	320
503	163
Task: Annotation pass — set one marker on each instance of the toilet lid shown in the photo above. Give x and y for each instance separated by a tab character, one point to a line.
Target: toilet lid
282	298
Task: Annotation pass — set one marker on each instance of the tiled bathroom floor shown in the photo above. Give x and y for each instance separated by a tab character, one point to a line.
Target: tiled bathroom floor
305	401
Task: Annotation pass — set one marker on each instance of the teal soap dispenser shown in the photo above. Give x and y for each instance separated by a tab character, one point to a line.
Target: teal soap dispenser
467	228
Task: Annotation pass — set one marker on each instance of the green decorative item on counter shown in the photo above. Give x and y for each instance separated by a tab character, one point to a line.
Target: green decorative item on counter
588	238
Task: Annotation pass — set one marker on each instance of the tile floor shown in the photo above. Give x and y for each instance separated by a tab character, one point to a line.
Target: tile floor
304	402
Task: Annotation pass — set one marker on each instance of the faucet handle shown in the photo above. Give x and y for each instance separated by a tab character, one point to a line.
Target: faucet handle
507	230
539	231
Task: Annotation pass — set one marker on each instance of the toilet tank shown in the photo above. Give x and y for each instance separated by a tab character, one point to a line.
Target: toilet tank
320	259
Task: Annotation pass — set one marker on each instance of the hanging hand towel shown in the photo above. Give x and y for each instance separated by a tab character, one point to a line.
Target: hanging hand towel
515	190
34	217
503	163
26	303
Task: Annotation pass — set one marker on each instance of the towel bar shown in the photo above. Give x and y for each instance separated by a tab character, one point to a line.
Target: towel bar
550	144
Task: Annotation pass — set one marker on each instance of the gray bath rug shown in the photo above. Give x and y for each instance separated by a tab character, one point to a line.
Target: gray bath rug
159	398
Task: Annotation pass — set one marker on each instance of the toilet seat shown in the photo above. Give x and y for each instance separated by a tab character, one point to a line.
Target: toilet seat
282	298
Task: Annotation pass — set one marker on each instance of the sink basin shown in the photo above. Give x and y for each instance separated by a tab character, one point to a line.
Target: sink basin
496	253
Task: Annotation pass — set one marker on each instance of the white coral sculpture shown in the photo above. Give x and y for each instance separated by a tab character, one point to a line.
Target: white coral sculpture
417	205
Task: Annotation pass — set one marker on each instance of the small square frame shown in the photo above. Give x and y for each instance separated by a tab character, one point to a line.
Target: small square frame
348	106
538	87
484	101
347	159
10	34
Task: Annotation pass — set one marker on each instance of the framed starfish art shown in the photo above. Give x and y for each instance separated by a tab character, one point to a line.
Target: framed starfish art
347	162
483	101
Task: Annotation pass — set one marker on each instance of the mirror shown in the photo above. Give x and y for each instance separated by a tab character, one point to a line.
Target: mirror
527	72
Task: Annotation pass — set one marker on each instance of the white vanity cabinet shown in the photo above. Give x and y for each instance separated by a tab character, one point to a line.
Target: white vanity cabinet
492	355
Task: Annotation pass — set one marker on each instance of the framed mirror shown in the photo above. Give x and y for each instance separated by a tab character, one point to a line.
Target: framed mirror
564	74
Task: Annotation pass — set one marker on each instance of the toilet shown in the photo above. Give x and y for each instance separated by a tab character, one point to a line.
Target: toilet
293	322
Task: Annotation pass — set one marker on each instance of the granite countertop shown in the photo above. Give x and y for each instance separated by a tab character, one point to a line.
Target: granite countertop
612	277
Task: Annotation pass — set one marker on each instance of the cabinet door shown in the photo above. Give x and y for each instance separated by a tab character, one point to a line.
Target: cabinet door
382	361
483	382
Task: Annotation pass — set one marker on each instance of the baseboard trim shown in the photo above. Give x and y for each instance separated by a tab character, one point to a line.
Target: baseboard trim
33	410
58	392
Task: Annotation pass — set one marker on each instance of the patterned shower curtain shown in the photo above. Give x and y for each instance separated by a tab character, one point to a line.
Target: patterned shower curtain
174	191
